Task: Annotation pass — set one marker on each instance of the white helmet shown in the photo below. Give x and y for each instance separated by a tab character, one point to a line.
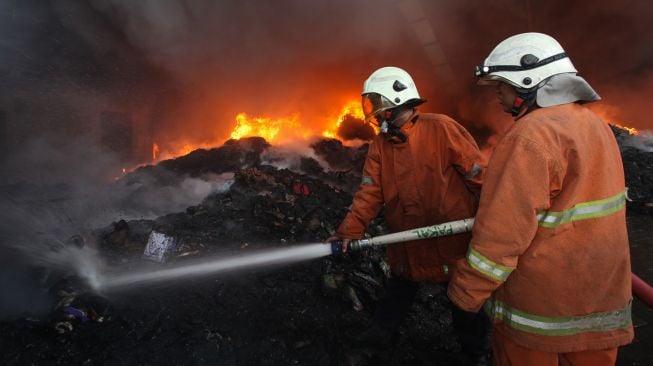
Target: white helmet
524	61
388	88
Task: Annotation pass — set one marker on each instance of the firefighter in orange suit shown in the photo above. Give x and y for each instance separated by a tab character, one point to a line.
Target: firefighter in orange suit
549	256
423	169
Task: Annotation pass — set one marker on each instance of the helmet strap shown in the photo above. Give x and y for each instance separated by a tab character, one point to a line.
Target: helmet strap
396	132
523	101
390	128
517	106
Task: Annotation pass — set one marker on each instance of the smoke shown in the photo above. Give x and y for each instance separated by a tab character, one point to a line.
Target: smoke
184	69
263	58
290	155
50	194
35	253
143	195
610	44
643	141
353	128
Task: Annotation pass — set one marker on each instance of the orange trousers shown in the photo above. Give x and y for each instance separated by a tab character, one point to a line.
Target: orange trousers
507	353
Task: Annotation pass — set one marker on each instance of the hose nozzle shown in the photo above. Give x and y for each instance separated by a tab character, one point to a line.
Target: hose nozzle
354	245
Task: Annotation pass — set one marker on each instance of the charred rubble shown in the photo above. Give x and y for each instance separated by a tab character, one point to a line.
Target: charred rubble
308	313
637	156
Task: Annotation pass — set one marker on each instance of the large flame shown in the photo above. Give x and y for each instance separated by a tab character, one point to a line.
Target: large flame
284	129
268	128
276	130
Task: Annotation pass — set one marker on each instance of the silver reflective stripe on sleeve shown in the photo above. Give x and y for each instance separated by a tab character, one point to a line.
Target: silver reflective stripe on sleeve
487	267
367	180
473	172
559	326
582	211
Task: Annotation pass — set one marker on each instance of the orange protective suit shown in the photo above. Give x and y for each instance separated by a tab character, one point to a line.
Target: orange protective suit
429	179
550	237
508	353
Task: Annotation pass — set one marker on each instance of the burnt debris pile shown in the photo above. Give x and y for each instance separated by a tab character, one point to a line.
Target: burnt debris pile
314	312
637	156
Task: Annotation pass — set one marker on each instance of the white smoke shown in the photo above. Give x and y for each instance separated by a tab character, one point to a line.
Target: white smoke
289	155
642	141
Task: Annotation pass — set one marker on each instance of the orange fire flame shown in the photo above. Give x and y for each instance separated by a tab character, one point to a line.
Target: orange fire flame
609	114
265	127
631	130
155	151
276	130
352	108
283	129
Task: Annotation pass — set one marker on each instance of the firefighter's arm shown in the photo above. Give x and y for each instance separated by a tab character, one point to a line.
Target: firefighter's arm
367	200
517	187
465	156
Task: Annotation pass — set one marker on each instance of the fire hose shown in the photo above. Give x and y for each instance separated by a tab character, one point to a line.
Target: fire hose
641	289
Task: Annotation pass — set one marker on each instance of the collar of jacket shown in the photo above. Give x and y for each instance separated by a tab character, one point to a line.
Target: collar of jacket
525	111
405	129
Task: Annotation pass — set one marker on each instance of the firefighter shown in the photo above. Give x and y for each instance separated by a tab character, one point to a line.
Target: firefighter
549	254
423	169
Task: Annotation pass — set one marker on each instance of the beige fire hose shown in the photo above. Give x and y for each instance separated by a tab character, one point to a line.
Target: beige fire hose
641	289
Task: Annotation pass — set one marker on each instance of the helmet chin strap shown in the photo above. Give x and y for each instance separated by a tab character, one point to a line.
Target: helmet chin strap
388	126
523	101
517	106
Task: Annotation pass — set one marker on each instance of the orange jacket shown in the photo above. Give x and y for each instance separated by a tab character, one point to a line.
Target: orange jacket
550	236
421	182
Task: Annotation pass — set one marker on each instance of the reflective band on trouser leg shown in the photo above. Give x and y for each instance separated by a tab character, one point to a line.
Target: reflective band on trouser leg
486	266
559	326
582	211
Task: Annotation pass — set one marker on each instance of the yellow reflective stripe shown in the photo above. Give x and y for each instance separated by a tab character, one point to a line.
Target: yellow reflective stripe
582	211
486	266
559	326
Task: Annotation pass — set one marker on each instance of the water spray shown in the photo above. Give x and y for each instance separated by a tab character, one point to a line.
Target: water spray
208	266
276	256
305	252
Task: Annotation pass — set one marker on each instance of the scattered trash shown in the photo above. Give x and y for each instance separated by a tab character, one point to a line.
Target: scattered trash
63	327
300	188
159	247
75	313
184	254
353	296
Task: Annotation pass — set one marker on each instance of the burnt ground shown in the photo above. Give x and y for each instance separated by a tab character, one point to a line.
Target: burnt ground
308	313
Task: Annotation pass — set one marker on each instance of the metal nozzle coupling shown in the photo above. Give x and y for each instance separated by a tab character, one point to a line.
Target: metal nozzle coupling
354	245
360	244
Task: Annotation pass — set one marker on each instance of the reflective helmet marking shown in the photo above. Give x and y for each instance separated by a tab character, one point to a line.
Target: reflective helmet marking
526	64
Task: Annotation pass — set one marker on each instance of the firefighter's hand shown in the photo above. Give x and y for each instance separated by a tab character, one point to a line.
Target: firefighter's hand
344	245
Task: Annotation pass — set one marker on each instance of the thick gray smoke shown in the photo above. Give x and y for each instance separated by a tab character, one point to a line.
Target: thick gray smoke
51	196
259	57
